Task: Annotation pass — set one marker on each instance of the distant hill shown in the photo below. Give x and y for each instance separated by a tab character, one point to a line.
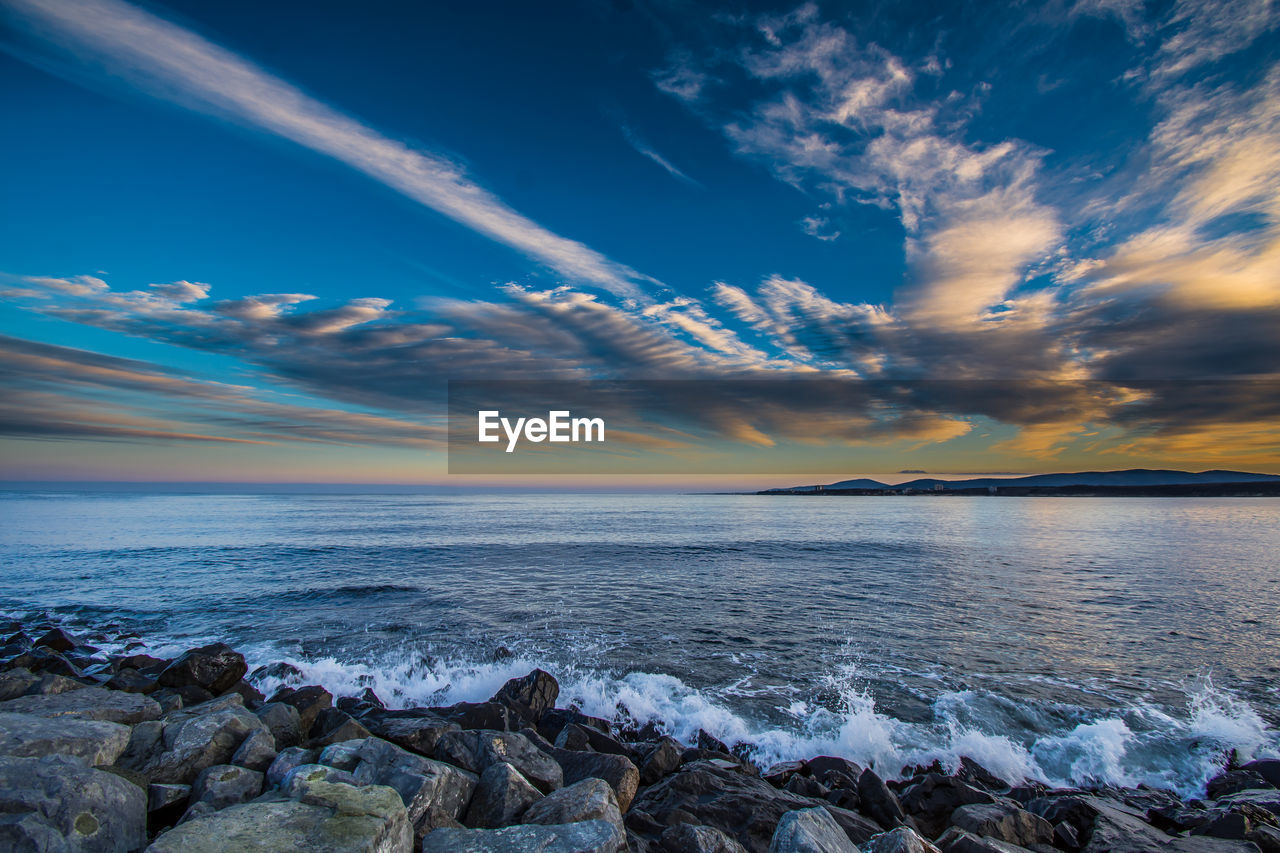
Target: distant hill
1131	477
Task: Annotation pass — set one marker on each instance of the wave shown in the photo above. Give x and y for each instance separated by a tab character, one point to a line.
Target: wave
1143	744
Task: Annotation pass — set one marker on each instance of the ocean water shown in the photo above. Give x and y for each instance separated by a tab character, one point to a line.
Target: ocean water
1072	640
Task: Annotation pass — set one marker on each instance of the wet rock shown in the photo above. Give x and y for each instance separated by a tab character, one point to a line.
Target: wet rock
806	786
62	803
418	734
661	761
58	640
475	750
956	840
932	799
29	736
17	682
431	790
1004	822
1267	799
975	774
1120	829
1235	781
216	668
900	840
1267	768
492	716
256	752
688	838
810	831
278	671
168	699
42	660
1065	836
284	723
1180	818
554	719
777	775
823	765
143	663
287	760
529	696
252	696
621	774
329	818
189	695
225	785
177	747
573	736
307	701
708	741
1266	837
590	799
1076	811
131	681
591	836
878	802
334	726
500	798
89	703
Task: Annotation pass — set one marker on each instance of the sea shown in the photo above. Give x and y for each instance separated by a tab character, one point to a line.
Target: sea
1074	641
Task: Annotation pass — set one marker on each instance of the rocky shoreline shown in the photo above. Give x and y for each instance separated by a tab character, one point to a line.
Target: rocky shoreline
129	752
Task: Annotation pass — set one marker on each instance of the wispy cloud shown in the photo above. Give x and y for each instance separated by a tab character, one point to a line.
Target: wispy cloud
646	150
175	64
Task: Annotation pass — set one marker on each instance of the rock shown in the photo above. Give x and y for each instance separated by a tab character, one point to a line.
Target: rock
28	736
330	818
975	774
688	838
286	760
500	798
737	803
256	752
334	726
145	664
168	699
284	723
821	766
708	741
932	799
252	696
61	803
1120	829
590	836
617	770
299	780
1233	782
17	682
431	790
131	681
165	805
806	786
554	719
590	799
1267	768
278	671
777	775
475	750
661	761
901	840
216	668
418	734
89	703
1076	811
58	640
307	701
1065	836
1004	822
530	696
190	740
43	660
225	785
1266	837
810	831
573	736
956	840
879	803
1180	818
493	716
1263	798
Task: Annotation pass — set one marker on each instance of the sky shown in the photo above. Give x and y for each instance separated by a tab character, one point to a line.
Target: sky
254	242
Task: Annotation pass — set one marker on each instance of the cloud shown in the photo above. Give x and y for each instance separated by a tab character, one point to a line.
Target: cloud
174	64
646	150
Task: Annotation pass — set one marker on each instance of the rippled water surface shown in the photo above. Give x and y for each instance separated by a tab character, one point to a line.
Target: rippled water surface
1070	639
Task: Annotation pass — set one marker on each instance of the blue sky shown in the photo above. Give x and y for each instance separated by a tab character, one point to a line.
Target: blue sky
248	241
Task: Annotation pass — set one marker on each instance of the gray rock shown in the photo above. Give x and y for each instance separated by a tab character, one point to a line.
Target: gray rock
878	802
1267	768
590	799
225	785
307	701
335	726
904	839
810	831
475	749
690	838
216	668
931	801
288	759
529	696
621	774
662	760
30	832
500	798
256	752
344	755
162	796
17	682
416	734
1120	829
956	840
190	740
27	736
435	793
1266	837
299	780
58	796
591	836
1234	781
89	703
1005	822
329	818
283	722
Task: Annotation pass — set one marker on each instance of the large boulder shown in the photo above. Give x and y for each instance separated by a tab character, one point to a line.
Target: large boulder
957	840
283	721
500	798
722	795
1235	781
662	760
529	696
1267	768
329	818
415	732
287	760
932	799
878	802
617	770
175	748
224	785
89	703
1005	822
493	716
1118	828
589	836
901	840
216	668
433	792
810	831
474	750
690	838
27	736
307	701
59	803
256	752
590	799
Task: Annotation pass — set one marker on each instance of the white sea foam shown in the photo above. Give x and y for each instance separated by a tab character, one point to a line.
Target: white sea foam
1136	745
